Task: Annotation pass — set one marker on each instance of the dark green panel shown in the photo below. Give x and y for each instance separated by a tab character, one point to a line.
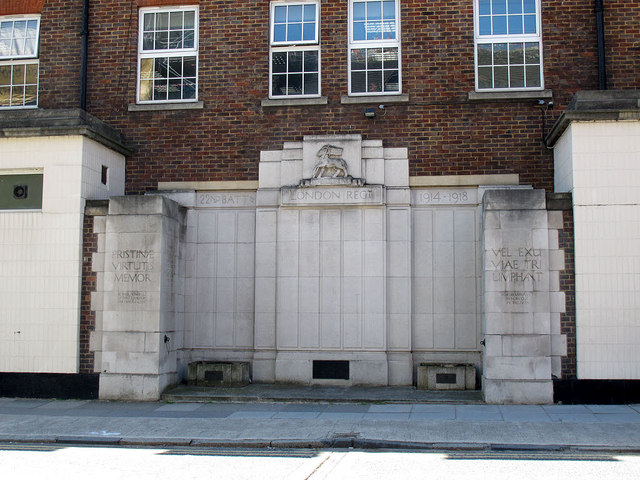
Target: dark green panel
20	192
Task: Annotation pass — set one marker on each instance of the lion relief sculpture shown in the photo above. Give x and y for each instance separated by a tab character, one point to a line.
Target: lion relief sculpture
331	163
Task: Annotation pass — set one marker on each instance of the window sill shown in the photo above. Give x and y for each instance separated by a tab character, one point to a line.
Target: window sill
293	102
154	107
509	96
402	98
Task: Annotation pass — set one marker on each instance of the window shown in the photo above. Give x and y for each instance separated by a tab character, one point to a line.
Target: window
374	47
19	64
168	55
295	50
508	45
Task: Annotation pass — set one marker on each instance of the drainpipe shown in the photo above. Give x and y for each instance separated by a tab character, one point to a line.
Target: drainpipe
83	54
602	66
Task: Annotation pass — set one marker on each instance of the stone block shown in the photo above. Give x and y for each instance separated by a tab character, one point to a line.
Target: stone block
400	367
559	345
517	392
517	368
396	172
556	260
218	374
514	199
435	376
526	346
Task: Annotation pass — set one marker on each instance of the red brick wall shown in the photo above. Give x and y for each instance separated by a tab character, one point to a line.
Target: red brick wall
622	43
567	285
60	30
87	316
444	132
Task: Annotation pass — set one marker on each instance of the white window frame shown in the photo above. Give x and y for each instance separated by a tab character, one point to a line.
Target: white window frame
369	44
167	53
293	46
24	59
508	39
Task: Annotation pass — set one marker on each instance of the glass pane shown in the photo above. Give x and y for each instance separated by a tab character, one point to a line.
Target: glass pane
160	90
189	39
17	47
278	85
500	25
162	40
359	32
501	77
517	76
147	41
20	28
309	13
279	33
529	6
295	13
294	32
310	61
162	21
485	26
358	82
189	88
175	21
295	62
145	90
189	67
485	79
149	22
389	10
311	84
359	59
18	74
17	95
530	24
499	6
484	7
500	54
189	20
390	58
31	95
160	68
309	31
516	54
5	29
374	30
374	58
175	89
175	67
5	98
5	47
32	29
279	62
391	83
533	76
375	81
515	24
280	15
32	74
175	39
532	53
389	30
374	10
295	84
5	74
515	6
359	11
146	68
484	54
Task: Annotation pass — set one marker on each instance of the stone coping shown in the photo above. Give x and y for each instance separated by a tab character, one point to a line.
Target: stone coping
56	122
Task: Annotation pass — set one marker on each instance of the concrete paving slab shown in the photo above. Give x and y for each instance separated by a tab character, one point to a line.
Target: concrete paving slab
390	408
179	407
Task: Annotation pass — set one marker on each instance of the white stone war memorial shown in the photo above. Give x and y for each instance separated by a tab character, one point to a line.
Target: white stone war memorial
334	268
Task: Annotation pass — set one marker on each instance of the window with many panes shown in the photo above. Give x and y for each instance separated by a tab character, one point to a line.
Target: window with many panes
295	49
168	55
374	47
19	64
508	45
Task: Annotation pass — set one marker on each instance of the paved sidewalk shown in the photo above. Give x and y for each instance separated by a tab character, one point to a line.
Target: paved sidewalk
322	425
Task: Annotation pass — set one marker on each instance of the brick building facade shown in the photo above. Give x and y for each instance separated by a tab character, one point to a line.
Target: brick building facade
209	123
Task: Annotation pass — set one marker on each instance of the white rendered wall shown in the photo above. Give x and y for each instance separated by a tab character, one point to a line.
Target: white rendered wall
41	251
605	178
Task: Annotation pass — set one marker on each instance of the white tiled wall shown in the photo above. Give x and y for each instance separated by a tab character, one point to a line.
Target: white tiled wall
41	252
606	193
